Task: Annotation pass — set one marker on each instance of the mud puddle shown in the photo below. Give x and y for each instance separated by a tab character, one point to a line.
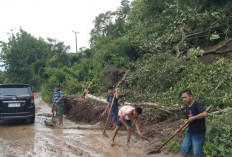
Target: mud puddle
20	139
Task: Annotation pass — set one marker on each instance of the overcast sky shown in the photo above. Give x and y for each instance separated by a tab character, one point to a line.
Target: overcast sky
53	18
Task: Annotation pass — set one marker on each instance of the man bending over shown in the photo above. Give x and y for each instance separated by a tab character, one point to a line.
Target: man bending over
125	115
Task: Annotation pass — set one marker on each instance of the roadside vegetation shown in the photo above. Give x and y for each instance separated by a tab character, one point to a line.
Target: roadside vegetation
167	45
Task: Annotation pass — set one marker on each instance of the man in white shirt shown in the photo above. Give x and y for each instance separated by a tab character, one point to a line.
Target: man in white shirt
125	115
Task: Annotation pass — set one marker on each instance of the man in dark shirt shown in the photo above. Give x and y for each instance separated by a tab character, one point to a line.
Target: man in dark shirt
114	110
195	136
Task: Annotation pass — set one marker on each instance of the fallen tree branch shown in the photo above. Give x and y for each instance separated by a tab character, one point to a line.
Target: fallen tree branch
148	104
218	52
203	31
128	103
182	40
218	47
220	112
215	51
97	98
184	37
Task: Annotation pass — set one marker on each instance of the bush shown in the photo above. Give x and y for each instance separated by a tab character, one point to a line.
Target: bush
219	135
174	146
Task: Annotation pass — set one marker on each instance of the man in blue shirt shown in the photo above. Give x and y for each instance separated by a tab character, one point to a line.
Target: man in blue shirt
114	110
58	103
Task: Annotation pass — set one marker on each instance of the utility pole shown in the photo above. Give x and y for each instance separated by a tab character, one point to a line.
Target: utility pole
76	38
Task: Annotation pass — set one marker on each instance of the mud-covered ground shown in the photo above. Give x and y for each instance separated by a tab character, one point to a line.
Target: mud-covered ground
75	139
156	125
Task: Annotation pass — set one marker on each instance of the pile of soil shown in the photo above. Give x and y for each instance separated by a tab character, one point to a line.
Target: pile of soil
81	110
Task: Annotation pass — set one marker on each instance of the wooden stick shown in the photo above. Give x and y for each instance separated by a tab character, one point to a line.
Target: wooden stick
149	104
174	135
128	103
112	103
177	132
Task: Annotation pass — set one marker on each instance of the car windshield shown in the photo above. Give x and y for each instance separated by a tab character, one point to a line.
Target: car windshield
14	91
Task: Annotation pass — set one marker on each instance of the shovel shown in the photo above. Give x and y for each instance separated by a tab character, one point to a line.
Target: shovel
159	149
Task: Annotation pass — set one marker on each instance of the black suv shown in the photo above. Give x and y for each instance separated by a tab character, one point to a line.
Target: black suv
17	102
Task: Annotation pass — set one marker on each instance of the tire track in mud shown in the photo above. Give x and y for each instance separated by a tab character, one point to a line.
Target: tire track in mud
66	146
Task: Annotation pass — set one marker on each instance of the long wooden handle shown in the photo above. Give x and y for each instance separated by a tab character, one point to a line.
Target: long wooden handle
112	103
187	123
174	135
108	115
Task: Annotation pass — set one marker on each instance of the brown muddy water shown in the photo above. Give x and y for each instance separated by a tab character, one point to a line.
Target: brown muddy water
20	139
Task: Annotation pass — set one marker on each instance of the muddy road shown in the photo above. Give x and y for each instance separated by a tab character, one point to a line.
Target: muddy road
20	139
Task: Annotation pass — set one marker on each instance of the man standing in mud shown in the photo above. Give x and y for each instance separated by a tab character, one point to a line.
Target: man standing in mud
114	111
195	136
57	100
125	115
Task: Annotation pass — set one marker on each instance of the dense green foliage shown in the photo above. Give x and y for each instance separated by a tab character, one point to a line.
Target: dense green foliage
27	59
160	41
210	83
219	135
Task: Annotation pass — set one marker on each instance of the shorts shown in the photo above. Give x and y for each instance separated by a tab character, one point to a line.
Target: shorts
113	117
194	142
119	123
59	110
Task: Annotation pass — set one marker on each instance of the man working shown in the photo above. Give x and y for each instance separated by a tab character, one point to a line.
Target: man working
195	137
114	110
125	114
57	100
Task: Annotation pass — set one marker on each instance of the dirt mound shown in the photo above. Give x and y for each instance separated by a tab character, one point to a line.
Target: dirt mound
82	110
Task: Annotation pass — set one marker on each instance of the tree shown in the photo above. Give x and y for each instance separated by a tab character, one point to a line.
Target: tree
26	58
23	57
110	25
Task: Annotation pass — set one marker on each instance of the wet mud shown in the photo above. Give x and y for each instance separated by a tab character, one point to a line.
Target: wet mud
75	139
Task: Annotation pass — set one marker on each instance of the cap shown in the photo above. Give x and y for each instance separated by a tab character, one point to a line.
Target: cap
57	85
110	87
